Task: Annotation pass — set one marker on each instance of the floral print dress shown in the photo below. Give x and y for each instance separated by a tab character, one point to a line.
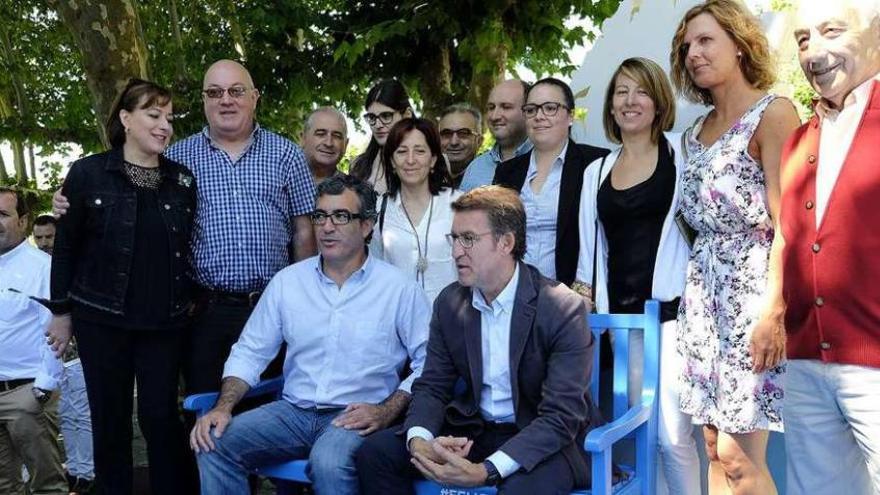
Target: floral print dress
724	199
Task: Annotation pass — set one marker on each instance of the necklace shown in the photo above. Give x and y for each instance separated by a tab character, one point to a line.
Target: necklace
422	263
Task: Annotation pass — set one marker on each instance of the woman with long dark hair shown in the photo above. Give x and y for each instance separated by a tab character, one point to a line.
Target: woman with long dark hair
119	281
415	214
387	102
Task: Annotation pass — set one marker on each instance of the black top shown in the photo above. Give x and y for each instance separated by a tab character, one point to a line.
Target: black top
633	221
148	300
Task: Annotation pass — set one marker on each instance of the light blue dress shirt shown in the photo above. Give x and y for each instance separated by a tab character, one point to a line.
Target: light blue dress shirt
344	344
481	170
542	210
496	393
24	353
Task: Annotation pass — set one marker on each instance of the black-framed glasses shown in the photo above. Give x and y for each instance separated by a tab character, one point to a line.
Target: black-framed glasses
549	108
463	133
383	117
337	217
465	240
215	93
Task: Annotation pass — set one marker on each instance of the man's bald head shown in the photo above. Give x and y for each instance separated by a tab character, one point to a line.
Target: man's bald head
231	115
225	65
838	45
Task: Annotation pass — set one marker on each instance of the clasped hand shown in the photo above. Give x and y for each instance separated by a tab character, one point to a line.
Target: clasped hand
444	460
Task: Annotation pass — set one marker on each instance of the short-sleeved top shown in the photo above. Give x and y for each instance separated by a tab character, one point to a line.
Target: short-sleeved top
243	223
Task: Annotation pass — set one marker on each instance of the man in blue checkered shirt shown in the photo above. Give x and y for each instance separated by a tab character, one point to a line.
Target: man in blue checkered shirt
255	194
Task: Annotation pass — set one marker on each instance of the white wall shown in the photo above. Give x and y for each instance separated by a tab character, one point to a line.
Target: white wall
647	32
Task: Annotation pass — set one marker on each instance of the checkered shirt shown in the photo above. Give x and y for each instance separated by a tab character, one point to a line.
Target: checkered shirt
243	223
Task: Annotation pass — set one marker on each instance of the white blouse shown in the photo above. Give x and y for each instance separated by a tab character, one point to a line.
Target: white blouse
399	245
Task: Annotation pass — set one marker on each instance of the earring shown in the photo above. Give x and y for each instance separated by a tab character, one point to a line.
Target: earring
739	53
127	130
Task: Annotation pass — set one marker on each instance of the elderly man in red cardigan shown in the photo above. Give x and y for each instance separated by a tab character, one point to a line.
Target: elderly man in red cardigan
830	287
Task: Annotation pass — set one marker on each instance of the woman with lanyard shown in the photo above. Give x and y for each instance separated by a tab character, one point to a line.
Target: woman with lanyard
630	247
387	103
414	215
549	179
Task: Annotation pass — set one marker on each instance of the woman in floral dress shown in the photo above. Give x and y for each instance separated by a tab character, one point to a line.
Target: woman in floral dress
731	337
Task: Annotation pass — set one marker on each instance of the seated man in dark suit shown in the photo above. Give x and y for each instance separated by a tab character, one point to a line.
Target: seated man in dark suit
520	343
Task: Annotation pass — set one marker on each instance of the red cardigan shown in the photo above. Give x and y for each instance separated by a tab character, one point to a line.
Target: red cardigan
831	276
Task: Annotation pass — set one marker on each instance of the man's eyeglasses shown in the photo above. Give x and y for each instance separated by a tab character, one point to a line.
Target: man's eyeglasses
549	108
234	92
337	217
466	240
463	133
383	117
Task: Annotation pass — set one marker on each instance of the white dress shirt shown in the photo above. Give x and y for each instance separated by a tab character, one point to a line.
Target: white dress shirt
24	353
344	344
496	394
542	210
836	136
399	245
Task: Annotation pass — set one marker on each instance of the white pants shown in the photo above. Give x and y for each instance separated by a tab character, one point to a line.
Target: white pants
678	459
76	422
832	428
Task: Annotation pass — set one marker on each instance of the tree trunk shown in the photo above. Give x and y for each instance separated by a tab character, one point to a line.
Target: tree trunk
4	176
18	162
435	83
33	161
109	36
482	81
180	62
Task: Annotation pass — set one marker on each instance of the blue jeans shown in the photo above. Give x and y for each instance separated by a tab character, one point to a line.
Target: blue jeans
279	432
76	422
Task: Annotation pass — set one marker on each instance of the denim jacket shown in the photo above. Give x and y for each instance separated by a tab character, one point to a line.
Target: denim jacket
94	242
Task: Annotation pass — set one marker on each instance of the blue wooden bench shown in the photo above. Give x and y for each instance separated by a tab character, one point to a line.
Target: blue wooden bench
638	421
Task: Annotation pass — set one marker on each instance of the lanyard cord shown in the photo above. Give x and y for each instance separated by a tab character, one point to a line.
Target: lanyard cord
422	263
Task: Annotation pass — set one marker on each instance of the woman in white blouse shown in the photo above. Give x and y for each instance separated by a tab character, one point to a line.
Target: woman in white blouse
414	215
631	248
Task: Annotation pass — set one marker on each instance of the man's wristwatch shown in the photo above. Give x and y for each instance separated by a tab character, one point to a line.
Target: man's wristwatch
41	395
493	478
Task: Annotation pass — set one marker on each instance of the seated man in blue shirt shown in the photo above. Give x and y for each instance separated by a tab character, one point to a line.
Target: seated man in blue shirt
350	323
520	344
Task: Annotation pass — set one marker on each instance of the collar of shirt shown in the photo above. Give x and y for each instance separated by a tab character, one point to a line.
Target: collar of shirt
359	274
254	136
856	100
10	255
533	164
524	147
504	301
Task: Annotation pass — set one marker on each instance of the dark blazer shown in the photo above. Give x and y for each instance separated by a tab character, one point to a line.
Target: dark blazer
512	174
94	244
551	351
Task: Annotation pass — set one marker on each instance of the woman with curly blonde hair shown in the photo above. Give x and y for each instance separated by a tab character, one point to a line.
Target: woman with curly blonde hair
731	334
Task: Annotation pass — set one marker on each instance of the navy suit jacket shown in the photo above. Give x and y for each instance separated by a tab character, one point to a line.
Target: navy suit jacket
551	350
512	174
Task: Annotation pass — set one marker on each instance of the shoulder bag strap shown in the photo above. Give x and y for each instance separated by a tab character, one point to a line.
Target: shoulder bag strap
382	212
596	233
